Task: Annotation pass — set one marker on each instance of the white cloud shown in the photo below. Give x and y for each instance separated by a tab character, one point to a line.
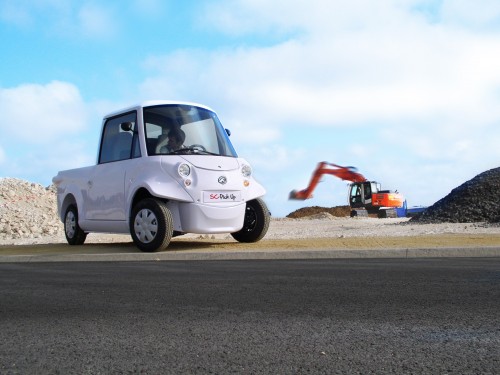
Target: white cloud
96	21
65	19
15	14
385	84
34	113
275	157
422	92
376	66
45	128
149	8
317	17
245	132
360	150
376	71
480	13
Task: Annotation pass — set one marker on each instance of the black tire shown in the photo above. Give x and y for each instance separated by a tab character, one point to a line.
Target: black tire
151	225
74	234
256	222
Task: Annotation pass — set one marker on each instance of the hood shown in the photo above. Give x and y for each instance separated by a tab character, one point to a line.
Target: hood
217	163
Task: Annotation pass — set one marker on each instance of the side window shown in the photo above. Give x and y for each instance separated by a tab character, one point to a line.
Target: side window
368	190
119	139
153	132
356	193
136	149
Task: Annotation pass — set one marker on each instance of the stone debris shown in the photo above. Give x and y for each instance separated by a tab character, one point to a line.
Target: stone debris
477	200
28	210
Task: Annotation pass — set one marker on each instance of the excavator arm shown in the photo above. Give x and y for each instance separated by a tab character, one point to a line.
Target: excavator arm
344	173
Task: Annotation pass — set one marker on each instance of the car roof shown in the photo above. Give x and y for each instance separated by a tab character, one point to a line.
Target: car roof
150	103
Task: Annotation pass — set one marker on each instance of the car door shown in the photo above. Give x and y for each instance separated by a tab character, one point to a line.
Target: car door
106	187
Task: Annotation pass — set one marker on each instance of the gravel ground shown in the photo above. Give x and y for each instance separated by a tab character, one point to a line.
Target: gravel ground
28	215
327	226
321	231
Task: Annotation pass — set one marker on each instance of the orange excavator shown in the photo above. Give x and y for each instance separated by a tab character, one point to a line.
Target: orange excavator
365	197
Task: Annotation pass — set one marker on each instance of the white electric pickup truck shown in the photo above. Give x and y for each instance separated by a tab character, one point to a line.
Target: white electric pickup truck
163	169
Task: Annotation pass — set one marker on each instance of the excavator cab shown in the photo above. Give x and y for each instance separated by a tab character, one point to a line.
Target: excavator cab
360	193
369	198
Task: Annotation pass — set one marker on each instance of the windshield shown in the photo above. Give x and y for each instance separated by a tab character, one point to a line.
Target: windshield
185	129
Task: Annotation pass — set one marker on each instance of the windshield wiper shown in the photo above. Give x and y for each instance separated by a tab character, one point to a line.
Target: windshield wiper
194	150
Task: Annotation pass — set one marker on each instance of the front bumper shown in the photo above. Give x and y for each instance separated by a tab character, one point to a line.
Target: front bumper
203	218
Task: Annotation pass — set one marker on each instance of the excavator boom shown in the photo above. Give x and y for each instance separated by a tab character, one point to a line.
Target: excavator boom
365	197
344	173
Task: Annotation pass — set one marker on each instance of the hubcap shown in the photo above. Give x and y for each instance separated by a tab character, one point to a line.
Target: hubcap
70	224
145	225
250	219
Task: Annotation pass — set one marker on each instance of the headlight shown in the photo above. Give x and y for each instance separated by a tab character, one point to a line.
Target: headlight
246	170
184	170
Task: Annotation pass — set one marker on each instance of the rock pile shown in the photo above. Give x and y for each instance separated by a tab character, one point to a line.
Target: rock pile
477	200
27	210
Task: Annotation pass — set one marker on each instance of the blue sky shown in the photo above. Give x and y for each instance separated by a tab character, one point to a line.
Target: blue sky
407	91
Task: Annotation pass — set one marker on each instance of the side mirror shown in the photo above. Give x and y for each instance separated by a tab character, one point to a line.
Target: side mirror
228	132
126	126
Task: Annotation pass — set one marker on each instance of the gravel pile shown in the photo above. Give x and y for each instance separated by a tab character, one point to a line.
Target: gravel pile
27	210
477	200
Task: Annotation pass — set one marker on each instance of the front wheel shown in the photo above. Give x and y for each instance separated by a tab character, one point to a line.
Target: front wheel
256	222
74	234
151	225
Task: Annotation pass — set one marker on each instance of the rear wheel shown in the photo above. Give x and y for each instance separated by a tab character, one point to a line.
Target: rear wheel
74	234
151	225
256	222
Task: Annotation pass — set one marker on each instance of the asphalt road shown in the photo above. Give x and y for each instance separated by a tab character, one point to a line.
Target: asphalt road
273	317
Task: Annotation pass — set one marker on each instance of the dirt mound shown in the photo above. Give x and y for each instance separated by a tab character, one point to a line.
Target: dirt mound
338	211
477	200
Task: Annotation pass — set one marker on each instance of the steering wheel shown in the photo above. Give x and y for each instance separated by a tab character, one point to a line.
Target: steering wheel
201	147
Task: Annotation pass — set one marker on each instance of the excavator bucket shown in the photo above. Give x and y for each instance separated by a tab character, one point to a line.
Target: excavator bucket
298	195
